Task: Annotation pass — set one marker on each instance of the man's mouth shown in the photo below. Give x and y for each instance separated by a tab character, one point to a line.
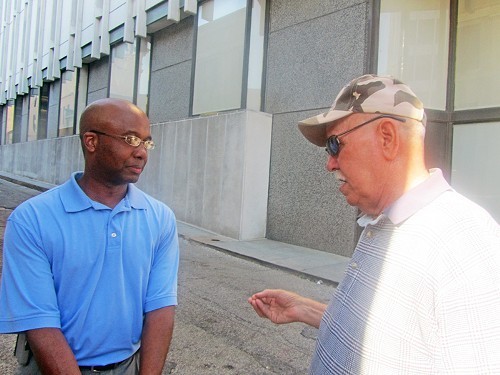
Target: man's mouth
136	168
339	176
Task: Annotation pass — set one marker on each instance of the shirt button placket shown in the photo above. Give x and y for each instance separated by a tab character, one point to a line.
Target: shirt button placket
369	236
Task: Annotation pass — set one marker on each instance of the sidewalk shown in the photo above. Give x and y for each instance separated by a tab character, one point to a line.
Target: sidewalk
317	265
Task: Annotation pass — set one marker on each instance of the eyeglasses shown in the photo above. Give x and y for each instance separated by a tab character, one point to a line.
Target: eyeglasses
333	143
131	140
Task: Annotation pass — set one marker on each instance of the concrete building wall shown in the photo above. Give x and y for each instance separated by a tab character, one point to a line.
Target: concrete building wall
310	44
242	174
49	160
216	172
98	80
213	171
171	64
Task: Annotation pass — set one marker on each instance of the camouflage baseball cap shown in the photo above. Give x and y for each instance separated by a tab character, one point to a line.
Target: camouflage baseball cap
366	94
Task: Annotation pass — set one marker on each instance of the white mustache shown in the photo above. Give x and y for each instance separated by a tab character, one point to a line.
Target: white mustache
339	176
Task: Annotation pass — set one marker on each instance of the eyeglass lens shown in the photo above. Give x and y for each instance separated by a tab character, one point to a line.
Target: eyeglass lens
134	141
131	140
332	146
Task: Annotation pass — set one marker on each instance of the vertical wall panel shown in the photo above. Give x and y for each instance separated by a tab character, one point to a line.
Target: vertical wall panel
140	19
174	13
56	72
70	57
104	47
190	6
128	34
97	31
39	51
50	22
77	52
4	51
23	84
11	53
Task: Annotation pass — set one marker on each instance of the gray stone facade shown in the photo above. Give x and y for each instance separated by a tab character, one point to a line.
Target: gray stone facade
242	174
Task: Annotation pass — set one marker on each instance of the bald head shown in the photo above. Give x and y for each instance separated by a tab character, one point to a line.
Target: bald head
110	115
105	112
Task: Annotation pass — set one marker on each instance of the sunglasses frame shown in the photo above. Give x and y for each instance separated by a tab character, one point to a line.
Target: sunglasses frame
333	143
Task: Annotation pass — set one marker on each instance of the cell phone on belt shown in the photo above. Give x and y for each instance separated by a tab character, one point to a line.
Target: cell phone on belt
22	351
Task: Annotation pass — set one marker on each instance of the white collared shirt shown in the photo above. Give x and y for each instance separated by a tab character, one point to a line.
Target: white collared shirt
422	292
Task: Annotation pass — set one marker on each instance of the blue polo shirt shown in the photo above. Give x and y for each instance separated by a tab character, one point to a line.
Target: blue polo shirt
75	264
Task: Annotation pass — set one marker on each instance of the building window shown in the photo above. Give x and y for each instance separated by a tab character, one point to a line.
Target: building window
122	71
478	53
130	68
73	100
413	46
34	101
9	122
43	114
220	50
256	55
477	183
67	103
81	100
143	70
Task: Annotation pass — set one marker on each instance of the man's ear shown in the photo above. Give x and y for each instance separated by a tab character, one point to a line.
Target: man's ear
389	137
90	141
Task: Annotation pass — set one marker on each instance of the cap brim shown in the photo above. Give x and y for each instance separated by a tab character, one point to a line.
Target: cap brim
314	128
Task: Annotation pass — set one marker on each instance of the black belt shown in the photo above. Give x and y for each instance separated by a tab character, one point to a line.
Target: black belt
111	366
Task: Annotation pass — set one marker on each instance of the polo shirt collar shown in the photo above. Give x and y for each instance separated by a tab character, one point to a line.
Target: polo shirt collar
74	199
412	201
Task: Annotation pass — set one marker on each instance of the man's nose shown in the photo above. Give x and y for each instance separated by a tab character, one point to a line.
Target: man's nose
331	163
141	152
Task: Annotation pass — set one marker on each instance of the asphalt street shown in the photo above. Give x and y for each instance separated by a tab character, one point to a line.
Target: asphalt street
216	331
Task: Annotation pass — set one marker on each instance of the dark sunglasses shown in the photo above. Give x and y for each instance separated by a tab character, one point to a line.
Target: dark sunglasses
333	143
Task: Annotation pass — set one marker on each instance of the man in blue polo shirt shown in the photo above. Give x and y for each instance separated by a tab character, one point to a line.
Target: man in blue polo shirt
90	267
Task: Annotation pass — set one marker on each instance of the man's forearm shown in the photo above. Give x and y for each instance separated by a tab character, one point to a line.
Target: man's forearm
312	312
156	337
52	352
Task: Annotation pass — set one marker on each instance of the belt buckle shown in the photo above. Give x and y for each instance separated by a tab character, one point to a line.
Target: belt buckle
99	369
104	368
